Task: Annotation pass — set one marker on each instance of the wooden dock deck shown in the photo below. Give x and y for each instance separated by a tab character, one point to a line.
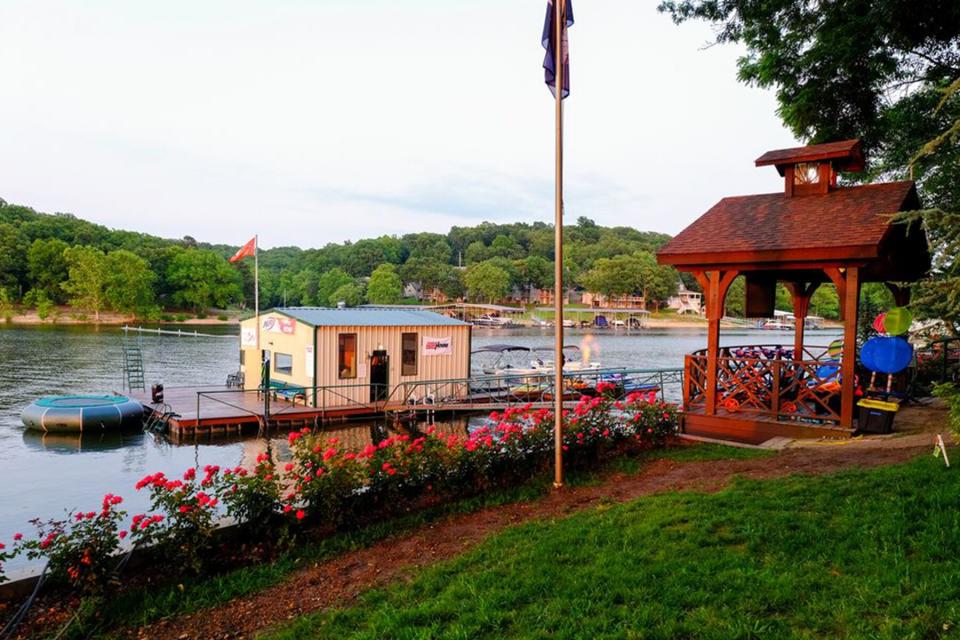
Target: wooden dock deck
221	410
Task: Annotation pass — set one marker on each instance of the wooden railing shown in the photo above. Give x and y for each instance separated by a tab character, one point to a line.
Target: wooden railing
765	380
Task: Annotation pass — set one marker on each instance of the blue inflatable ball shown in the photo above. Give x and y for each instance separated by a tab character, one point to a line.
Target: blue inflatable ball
886	354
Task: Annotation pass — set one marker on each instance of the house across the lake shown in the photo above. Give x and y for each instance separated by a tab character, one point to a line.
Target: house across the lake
366	353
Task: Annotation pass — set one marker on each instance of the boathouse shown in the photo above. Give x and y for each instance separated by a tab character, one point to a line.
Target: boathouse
814	231
353	357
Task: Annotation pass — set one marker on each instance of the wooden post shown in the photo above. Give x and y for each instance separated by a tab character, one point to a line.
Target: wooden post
849	304
801	294
716	291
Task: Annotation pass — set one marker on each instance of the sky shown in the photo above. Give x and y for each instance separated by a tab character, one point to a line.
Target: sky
316	121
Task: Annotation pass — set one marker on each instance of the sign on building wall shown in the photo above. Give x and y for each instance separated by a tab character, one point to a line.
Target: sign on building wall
308	367
437	346
273	324
248	337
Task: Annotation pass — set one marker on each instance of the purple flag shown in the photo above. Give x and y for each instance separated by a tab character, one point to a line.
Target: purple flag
549	29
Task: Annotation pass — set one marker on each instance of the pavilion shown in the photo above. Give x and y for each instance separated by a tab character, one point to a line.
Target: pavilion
813	232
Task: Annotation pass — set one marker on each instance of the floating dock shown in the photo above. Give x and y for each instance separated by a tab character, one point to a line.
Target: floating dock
219	410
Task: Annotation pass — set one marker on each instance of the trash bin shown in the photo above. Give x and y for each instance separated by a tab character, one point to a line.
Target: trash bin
156	393
876	416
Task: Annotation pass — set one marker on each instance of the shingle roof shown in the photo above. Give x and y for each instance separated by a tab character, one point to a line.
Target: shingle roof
843	149
367	317
846	223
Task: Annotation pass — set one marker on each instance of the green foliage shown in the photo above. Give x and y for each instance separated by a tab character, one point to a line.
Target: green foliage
950	394
87	269
938	297
129	283
6	305
329	284
638	273
385	286
886	72
351	294
44	305
487	282
203	279
47	267
825	303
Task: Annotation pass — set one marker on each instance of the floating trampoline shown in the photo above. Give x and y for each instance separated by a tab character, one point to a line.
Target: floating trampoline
78	414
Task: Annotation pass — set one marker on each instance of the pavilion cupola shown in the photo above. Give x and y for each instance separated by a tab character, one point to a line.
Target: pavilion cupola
812	170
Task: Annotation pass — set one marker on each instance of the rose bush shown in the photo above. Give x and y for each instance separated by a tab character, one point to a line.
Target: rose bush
182	525
79	549
332	485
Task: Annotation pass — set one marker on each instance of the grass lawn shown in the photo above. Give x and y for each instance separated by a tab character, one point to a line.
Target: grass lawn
143	606
861	554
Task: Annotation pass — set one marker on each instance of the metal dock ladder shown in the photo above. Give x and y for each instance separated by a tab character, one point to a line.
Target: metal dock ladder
133	376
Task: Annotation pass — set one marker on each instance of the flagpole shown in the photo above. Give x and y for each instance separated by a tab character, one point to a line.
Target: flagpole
558	10
256	285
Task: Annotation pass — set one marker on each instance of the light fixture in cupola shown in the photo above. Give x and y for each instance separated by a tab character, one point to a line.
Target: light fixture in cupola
812	170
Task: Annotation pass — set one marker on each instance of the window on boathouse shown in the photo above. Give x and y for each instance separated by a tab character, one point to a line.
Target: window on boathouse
409	343
347	355
283	363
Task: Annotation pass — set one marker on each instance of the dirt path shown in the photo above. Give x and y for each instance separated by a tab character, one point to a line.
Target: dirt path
341	579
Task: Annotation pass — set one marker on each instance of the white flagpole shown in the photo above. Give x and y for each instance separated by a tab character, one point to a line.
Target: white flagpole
256	285
558	12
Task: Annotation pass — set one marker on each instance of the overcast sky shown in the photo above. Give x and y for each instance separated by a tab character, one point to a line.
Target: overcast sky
319	121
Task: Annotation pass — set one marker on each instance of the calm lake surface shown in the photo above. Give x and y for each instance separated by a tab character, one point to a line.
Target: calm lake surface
44	475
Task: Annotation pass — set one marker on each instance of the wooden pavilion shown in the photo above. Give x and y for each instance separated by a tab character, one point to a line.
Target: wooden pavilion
813	232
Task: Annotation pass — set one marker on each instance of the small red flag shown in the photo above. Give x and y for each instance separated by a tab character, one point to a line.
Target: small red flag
246	250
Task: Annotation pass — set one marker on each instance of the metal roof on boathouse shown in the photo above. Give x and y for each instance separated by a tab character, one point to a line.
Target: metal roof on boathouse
367	317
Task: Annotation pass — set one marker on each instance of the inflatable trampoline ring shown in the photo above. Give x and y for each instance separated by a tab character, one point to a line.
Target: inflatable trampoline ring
77	414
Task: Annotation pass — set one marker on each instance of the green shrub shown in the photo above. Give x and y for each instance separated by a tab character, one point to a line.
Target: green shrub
950	394
167	317
222	317
202	315
182	317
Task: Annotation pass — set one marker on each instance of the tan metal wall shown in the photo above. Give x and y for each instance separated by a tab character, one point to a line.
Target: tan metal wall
369	339
295	344
356	391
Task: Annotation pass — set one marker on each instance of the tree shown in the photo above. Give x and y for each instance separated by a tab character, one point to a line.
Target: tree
47	267
129	282
657	283
329	283
203	279
364	256
487	282
385	286
614	276
841	69
536	272
87	277
886	72
350	294
476	252
11	257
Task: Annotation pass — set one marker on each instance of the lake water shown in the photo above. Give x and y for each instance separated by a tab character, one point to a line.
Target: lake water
43	475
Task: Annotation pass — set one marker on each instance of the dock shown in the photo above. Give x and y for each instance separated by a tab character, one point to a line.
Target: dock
219	410
191	410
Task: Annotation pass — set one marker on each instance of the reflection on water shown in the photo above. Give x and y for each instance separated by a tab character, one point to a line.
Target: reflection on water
79	442
42	475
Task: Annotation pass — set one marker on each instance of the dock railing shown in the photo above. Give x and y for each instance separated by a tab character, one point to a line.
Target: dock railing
475	392
768	380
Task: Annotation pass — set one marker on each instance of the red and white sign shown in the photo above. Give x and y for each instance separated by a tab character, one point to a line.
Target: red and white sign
274	324
437	346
